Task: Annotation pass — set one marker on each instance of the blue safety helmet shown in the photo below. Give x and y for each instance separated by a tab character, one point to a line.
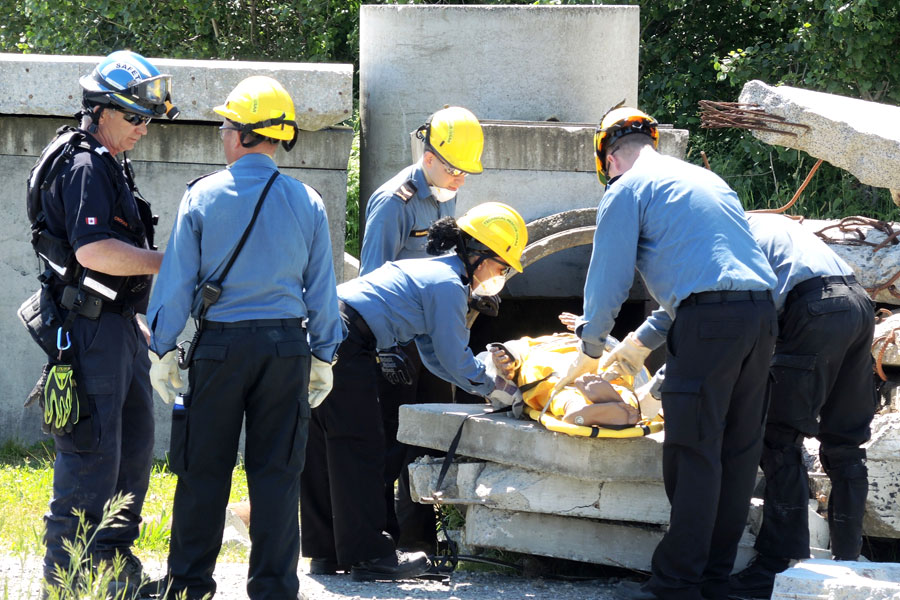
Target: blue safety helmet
129	82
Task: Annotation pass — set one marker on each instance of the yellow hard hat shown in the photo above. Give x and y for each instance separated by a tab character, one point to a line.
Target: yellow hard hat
617	123
264	106
499	227
454	134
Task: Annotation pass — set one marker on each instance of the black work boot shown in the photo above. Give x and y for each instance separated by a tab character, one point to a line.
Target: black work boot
400	565
127	582
326	566
758	579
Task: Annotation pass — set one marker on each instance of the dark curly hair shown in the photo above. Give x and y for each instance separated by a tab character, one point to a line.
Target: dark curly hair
444	235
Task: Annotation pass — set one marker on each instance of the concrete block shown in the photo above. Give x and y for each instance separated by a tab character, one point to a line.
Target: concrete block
520	62
882	517
511	488
585	540
858	136
827	579
526	444
351	268
322	93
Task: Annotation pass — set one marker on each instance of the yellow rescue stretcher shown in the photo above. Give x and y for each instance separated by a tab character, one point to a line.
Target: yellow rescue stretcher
539	361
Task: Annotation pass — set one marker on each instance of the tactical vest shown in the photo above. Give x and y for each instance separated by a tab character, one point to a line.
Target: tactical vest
56	253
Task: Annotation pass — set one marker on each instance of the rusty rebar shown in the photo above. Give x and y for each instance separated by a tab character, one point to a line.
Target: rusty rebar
716	115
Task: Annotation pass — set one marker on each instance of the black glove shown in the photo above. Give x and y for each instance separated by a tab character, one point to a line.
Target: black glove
395	366
486	305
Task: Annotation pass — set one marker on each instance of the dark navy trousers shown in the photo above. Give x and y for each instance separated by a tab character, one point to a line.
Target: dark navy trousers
714	398
110	450
822	386
261	374
411	524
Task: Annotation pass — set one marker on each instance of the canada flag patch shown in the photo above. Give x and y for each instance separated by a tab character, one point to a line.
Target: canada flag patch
90	220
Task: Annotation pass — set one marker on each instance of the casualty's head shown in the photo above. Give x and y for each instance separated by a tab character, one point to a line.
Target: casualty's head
259	114
453	144
489	239
615	134
120	96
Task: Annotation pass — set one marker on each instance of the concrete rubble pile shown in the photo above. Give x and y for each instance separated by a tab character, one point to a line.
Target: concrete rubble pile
526	489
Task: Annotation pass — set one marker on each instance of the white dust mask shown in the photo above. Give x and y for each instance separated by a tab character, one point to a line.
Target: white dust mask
489	287
442	194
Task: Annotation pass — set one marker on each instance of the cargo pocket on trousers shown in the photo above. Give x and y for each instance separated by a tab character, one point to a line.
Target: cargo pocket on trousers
793	399
298	350
85	434
682	405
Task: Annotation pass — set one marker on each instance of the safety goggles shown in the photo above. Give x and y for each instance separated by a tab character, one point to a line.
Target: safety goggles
154	90
493	258
448	168
136	120
227	126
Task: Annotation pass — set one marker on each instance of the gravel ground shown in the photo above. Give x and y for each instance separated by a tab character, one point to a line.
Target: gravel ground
21	581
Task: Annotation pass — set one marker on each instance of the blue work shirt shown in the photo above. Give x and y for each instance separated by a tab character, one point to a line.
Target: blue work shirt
794	253
283	271
397	226
684	230
425	300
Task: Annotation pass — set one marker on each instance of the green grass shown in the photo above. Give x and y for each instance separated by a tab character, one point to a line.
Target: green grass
26	481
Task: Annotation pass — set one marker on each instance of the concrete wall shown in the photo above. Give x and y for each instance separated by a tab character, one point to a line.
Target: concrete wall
528	63
167	158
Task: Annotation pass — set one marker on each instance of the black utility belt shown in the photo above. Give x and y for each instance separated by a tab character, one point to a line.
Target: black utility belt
252	323
355	319
91	306
717	297
817	283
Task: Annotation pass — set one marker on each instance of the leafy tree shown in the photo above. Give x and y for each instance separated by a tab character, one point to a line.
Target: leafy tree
690	51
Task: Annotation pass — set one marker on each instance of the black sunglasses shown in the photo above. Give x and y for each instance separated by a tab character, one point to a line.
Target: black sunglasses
136	120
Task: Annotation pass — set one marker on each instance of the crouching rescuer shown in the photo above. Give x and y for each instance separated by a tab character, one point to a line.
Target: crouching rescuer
420	300
93	233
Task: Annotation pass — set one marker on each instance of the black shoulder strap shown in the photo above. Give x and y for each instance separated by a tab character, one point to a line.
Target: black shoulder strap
244	237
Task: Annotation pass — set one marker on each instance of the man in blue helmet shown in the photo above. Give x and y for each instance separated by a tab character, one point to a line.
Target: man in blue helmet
94	233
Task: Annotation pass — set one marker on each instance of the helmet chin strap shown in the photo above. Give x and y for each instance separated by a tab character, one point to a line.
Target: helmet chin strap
92	115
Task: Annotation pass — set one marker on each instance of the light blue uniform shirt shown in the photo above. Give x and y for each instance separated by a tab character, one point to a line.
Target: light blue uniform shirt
423	300
398	228
283	271
794	253
684	230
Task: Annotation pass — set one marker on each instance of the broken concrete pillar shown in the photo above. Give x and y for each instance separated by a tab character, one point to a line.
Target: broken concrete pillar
819	578
858	136
872	268
526	444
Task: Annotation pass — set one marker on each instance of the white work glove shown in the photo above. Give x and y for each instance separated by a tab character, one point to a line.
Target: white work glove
649	398
625	359
164	375
321	379
580	365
